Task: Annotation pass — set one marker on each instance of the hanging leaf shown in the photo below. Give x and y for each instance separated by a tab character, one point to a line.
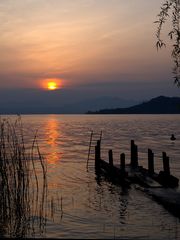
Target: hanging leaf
171	10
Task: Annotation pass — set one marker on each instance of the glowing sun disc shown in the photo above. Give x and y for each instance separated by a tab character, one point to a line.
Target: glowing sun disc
52	86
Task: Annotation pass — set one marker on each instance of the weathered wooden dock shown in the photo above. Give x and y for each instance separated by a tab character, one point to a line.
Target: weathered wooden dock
161	186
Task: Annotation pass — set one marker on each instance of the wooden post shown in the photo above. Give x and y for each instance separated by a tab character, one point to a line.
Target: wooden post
134	154
150	161
111	158
96	157
122	160
166	164
99	149
97	154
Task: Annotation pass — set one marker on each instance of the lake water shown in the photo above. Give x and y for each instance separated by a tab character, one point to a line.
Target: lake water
86	208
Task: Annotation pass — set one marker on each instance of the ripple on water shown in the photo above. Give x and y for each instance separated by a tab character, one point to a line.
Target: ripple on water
94	208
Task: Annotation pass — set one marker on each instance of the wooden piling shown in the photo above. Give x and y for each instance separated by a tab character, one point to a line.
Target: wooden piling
99	149
134	154
164	177
97	154
125	174
96	157
110	157
166	166
150	161
122	162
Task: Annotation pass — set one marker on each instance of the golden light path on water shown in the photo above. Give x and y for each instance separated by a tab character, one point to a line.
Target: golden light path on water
53	135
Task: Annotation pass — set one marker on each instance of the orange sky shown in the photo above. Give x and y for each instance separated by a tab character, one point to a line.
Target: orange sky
79	42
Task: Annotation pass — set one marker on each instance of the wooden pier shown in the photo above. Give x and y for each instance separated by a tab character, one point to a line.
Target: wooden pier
161	186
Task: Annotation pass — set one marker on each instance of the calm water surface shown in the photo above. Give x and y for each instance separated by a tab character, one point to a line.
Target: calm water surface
84	207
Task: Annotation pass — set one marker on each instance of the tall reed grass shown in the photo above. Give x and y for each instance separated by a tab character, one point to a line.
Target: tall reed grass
23	183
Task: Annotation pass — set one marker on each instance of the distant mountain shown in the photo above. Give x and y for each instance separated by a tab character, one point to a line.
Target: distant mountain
64	101
158	105
93	104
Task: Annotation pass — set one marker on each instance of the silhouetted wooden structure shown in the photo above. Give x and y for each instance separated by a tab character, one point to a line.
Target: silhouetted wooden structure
94	137
155	184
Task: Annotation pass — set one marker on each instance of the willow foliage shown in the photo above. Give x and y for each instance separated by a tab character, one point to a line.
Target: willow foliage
170	10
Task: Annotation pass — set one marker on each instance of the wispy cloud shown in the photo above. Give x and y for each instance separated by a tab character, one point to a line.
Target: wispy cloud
78	40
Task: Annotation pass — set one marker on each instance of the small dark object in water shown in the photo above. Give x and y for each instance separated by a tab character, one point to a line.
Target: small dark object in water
173	137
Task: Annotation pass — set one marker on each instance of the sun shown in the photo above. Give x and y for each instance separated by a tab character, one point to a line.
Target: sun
52	86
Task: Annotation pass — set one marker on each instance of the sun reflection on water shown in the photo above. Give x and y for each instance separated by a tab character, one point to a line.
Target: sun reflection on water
53	136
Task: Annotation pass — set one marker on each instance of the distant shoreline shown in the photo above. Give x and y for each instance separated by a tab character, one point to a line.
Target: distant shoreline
85	114
159	105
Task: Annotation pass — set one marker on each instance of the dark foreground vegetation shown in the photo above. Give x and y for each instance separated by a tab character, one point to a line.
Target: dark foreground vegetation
22	191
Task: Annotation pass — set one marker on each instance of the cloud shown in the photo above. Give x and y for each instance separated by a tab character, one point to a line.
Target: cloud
80	41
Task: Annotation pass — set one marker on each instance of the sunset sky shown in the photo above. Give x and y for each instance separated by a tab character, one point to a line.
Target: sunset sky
84	43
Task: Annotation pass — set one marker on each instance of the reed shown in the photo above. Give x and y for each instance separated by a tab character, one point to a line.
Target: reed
23	182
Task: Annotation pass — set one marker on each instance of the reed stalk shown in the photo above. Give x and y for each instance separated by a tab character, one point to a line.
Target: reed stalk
23	191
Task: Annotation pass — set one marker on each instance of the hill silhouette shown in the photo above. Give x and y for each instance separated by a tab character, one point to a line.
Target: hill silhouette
158	105
62	101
